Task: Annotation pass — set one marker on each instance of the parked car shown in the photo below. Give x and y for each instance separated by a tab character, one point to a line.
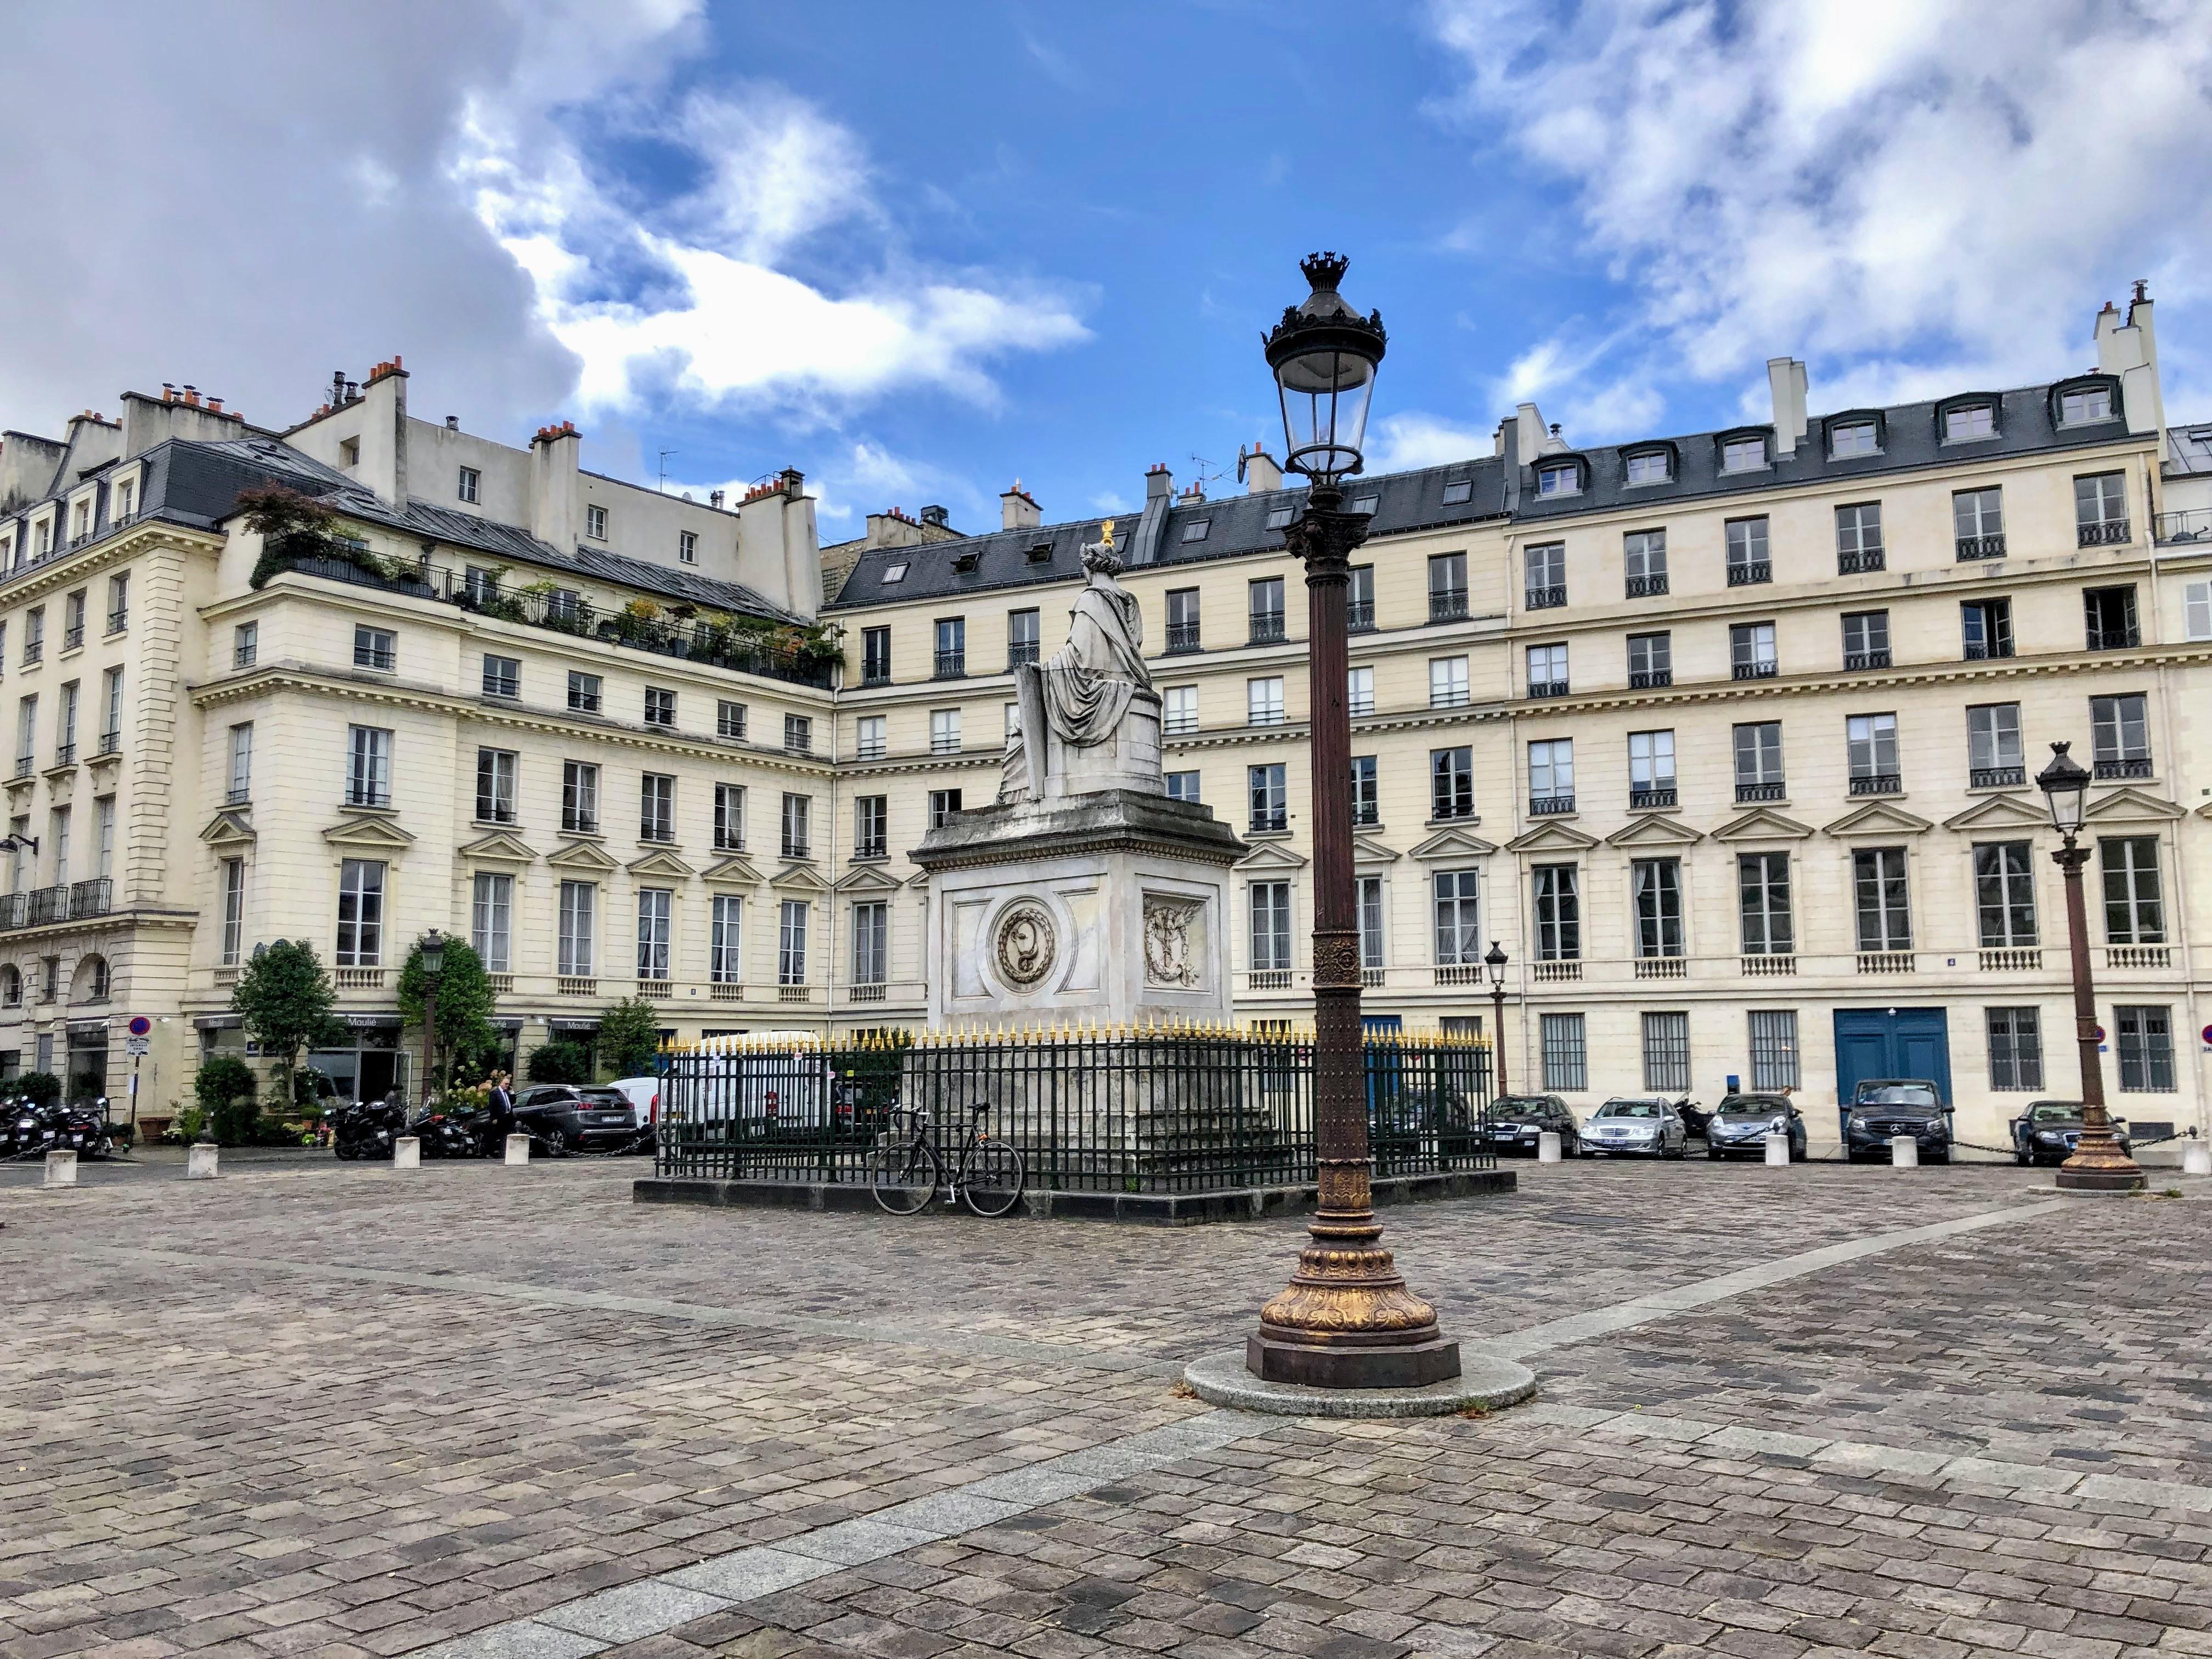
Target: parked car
643	1094
2048	1131
1741	1123
1883	1107
1644	1125
1515	1123
567	1117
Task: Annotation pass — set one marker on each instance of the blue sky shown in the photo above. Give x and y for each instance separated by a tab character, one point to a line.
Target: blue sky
919	250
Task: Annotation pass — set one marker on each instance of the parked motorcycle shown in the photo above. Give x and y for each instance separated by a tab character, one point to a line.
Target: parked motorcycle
28	1130
448	1133
24	1131
367	1128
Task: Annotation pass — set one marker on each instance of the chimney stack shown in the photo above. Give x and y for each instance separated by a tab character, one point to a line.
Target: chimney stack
936	516
1258	469
714	499
1785	379
1158	480
1018	510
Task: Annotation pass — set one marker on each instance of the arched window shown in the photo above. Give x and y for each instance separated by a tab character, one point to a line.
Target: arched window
89	983
11	987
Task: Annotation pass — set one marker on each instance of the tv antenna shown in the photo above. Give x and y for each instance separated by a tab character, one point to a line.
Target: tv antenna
665	455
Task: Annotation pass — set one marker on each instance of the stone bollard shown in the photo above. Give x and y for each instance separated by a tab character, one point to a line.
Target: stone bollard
1903	1152
518	1149
407	1153
200	1160
1547	1146
61	1169
2197	1159
1777	1148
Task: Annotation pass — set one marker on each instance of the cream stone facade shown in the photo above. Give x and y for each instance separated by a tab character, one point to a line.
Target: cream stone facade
1728	739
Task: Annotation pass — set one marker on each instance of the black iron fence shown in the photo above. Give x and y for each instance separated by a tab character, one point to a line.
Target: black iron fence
1194	1111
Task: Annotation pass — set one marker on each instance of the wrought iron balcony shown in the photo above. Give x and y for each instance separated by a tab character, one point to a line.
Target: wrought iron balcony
1359	617
951	664
1981	547
111	743
2135	767
1541	806
43	906
1750	572
1183	636
118	621
65	754
1878	783
1859	563
875	674
2103	532
2123	638
1267	628
1857	661
1544	688
1539	599
1021	652
1977	653
1650	679
1449	605
73	638
1755	671
1647	587
1996	777
1638	799
1746	793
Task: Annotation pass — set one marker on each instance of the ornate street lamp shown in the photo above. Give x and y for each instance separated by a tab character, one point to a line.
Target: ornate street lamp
1347	1320
433	964
2098	1164
1494	960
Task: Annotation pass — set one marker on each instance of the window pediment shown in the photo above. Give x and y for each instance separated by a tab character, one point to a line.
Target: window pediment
1452	844
1552	838
732	871
2131	806
584	855
1877	819
1656	830
498	847
1761	824
375	834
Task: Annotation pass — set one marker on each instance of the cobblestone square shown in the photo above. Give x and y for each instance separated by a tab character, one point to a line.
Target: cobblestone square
315	1409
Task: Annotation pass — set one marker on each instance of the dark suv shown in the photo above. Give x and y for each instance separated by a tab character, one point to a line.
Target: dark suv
567	1117
1516	1123
1887	1106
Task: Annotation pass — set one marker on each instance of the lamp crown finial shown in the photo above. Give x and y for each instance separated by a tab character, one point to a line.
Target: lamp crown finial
1324	271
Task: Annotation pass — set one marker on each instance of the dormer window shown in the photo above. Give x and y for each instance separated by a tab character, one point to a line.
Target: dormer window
1853	438
1458	491
1040	553
2085	405
1363	503
1559	478
1649	467
894	573
1196	529
1970	421
966	564
1279	517
1745	454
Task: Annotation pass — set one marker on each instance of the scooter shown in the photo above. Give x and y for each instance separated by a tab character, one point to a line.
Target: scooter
446	1133
367	1128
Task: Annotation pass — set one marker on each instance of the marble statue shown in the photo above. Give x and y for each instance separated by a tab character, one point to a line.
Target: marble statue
1084	697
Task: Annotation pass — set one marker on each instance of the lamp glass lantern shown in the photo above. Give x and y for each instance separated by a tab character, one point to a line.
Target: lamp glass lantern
1494	960
1325	356
2065	786
434	952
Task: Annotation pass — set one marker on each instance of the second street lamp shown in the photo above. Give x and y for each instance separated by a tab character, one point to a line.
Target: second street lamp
433	964
2098	1164
1494	960
1347	1320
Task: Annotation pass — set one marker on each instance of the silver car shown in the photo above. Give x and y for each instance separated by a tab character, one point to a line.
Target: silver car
1645	1126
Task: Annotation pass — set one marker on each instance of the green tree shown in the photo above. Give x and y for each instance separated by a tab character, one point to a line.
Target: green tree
225	1090
558	1062
629	1038
465	1001
40	1088
286	1001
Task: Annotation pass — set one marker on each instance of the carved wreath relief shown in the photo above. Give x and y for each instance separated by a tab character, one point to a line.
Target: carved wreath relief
1027	945
1167	945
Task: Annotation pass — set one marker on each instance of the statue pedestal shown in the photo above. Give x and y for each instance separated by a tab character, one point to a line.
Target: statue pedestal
1112	905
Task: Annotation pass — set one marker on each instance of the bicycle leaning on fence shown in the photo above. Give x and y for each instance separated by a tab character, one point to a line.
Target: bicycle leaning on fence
904	1169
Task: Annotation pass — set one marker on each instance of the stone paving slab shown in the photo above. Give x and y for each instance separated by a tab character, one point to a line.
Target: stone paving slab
228	1456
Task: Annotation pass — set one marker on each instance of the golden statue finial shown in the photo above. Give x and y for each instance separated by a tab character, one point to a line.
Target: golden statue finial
1106	535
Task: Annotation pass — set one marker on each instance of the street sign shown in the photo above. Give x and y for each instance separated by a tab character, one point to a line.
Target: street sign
138	1045
140	1025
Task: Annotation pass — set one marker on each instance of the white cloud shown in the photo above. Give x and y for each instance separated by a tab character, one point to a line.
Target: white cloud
1909	193
1400	443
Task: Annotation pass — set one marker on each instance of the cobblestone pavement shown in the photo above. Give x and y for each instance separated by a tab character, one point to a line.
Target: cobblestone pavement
323	1409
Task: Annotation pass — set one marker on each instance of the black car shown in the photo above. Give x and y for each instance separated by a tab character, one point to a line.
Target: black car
1883	1107
2048	1131
1516	1123
567	1117
1741	1123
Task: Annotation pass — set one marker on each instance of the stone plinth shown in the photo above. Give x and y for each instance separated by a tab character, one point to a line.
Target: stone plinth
1112	905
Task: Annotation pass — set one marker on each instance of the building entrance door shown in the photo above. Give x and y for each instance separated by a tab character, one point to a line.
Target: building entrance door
1877	1042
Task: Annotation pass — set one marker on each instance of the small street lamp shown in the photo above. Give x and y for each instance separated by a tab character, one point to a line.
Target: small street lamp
1495	961
433	964
2098	1164
1348	1321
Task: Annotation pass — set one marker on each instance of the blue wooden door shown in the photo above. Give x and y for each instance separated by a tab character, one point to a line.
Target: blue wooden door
1890	1042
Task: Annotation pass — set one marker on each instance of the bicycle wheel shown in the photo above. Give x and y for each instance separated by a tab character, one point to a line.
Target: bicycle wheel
903	1174
993	1176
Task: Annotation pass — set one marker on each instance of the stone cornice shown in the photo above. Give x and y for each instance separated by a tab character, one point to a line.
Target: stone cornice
273	677
132	541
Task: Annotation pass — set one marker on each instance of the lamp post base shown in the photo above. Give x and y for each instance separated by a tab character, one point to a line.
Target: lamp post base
1347	1320
2128	1178
1340	1365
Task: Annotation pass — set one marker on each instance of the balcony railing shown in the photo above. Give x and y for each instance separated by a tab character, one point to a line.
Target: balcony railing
951	664
358	979
2194	525
1544	807
41	907
1647	587
1539	599
1750	572
725	990
2105	533
1979	653
1650	679
1540	689
1458	973
575	985
73	638
875	847
2009	959
1857	662
1021	652
111	743
501	985
1359	617
33	651
2138	955
1981	547
1768	964
795	994
1268	979
1755	671
1861	563
1449	606
65	754
1878	783
1996	777
1267	629
118	621
2121	638
1885	962
26	764
1551	973
1747	792
875	674
1662	968
1656	796
2136	768
1183	636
